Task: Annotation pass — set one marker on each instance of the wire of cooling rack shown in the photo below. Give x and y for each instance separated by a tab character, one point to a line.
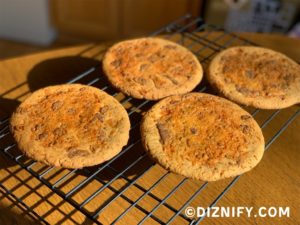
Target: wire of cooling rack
14	198
184	31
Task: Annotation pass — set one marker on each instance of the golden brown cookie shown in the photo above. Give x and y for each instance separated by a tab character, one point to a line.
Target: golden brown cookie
202	136
255	76
151	68
72	126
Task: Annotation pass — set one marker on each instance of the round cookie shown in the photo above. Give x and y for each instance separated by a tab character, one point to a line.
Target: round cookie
202	136
71	126
256	76
151	68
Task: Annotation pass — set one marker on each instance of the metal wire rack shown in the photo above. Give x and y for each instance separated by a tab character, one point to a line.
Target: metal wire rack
114	179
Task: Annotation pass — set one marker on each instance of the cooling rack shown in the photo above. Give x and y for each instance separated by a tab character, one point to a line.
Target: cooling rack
113	181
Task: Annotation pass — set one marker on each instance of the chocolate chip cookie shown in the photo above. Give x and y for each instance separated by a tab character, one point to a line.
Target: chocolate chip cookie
202	136
151	68
255	76
71	126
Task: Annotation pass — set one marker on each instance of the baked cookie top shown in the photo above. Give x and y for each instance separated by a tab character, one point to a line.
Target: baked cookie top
72	126
256	76
151	68
202	136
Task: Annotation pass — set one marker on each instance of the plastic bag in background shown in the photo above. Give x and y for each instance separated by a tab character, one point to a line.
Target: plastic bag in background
295	31
261	15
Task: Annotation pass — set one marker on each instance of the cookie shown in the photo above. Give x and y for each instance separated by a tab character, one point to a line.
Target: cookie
151	68
202	136
71	126
255	76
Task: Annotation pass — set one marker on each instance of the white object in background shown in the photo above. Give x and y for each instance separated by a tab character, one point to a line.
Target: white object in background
262	16
26	21
295	31
258	17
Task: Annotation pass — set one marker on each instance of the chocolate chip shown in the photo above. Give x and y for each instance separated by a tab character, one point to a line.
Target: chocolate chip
153	57
245	117
173	102
170	46
193	65
116	63
56	105
99	116
72	152
42	136
18	128
119	50
243	90
143	67
37	127
286	77
85	127
61	92
164	134
250	74
239	50
284	86
60	131
221	145
265	87
192	62
246	91
245	128
200	115
140	80
239	161
171	79
21	110
104	109
193	130
71	110
177	70
225	69
101	135
88	104
189	142
93	148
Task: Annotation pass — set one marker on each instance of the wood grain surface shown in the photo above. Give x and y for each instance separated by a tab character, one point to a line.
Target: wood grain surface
274	182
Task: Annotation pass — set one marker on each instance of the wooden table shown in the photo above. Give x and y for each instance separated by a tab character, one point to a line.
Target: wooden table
274	182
